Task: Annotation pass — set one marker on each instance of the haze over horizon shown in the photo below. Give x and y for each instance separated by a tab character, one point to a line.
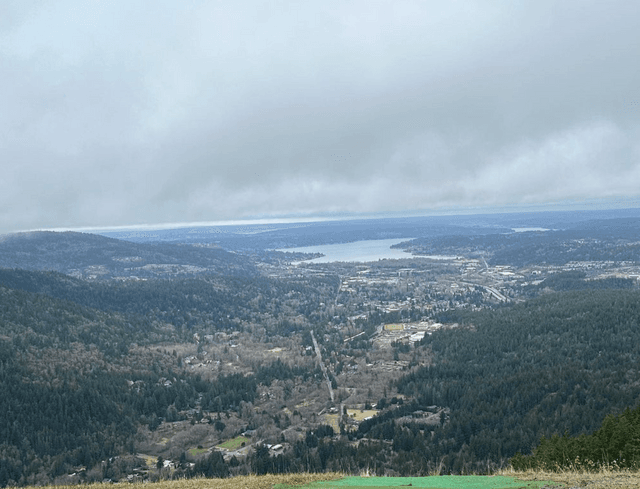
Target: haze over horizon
131	113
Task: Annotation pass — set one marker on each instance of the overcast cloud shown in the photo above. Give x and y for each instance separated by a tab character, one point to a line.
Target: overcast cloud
142	112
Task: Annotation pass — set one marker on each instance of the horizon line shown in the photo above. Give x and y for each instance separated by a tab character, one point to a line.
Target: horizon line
561	206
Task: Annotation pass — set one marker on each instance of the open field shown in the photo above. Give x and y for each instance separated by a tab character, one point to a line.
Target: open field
361	414
394	327
333	420
234	443
194	452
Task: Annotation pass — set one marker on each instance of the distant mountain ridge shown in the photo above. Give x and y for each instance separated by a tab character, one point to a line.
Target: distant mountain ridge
283	235
86	255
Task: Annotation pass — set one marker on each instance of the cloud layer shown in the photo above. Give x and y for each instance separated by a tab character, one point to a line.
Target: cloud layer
116	113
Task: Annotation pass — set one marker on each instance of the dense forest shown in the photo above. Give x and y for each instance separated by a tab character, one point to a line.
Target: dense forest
615	445
557	363
74	391
188	304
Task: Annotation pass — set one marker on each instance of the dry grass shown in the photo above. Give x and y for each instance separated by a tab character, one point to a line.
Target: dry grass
604	479
333	420
240	482
150	461
394	327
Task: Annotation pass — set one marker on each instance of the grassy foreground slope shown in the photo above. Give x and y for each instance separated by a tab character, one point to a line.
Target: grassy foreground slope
603	479
575	479
433	482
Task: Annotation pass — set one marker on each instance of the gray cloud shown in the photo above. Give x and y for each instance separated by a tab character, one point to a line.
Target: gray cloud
119	113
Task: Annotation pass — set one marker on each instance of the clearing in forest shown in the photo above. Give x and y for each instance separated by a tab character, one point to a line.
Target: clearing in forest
234	443
333	420
194	452
361	414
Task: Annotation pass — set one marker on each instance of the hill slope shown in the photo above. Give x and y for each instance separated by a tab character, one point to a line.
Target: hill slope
92	256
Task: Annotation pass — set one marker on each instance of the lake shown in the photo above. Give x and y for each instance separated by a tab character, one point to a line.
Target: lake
357	251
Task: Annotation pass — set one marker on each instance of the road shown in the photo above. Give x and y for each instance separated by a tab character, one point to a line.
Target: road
322	366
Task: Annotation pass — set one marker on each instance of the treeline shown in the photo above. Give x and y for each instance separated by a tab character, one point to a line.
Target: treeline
615	445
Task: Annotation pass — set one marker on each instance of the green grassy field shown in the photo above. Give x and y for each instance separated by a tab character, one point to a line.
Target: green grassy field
194	452
234	443
361	414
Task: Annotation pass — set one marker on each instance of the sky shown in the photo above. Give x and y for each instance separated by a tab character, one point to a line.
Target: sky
136	112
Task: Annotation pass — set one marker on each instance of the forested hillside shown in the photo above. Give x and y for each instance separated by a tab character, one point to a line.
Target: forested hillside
190	305
615	445
557	363
77	386
65	397
98	257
